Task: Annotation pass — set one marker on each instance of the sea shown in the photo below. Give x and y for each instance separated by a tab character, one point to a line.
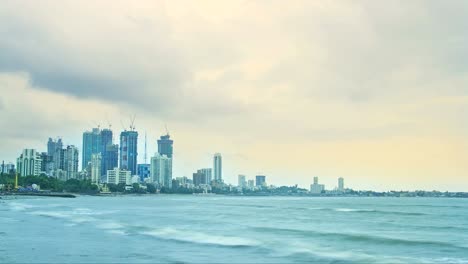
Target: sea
226	229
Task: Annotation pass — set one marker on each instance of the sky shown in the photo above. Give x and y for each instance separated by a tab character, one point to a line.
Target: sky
372	91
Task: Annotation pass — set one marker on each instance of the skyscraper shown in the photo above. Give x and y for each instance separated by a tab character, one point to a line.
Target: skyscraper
91	145
111	159
96	162
71	162
208	174
241	182
260	180
340	184
161	170
217	167
51	146
199	178
105	141
54	159
165	146
29	163
317	188
128	151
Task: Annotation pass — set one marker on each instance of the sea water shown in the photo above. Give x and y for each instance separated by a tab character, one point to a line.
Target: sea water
223	229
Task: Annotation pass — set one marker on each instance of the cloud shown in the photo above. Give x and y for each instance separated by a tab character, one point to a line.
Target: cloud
243	76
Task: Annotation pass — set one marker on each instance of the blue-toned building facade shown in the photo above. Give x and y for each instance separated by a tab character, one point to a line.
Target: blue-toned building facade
128	151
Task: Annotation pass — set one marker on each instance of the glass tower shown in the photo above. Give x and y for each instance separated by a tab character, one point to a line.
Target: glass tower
128	151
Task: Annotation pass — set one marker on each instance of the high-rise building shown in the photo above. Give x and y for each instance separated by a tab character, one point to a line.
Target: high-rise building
165	146
111	159
128	151
71	162
208	174
7	168
59	157
251	184
340	184
161	170
29	163
260	180
46	160
218	167
91	145
117	176
241	182
96	162
316	188
144	171
199	178
106	141
54	159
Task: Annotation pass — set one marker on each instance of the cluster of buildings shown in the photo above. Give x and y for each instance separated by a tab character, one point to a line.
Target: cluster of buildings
103	161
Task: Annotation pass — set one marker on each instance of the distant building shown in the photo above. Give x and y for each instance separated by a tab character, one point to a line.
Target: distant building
341	184
241	181
117	176
208	174
199	178
91	145
71	162
45	160
110	160
54	147
251	184
161	170
144	171
316	188
135	179
218	167
128	151
165	146
109	151
96	162
29	163
260	180
7	168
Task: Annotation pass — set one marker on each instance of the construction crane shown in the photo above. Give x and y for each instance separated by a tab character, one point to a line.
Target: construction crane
146	152
132	122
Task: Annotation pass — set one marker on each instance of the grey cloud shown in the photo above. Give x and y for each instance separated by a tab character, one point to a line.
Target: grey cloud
364	55
145	72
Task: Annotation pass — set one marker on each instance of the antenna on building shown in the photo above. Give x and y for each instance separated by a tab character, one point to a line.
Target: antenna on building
146	152
167	131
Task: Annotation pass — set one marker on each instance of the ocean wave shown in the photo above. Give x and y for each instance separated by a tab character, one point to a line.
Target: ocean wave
355	237
71	216
110	225
200	238
373	211
15	206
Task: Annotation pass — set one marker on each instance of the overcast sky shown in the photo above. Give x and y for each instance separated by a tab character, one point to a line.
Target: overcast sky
372	91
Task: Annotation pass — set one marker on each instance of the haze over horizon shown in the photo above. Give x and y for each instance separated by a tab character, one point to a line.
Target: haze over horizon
372	91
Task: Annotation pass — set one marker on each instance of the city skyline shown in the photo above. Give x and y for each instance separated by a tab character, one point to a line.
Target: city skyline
330	89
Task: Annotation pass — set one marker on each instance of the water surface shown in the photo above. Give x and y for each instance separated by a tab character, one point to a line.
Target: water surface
221	229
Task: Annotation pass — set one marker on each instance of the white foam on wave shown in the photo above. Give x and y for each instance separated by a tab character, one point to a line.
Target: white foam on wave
200	238
352	210
117	232
19	206
110	225
67	215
